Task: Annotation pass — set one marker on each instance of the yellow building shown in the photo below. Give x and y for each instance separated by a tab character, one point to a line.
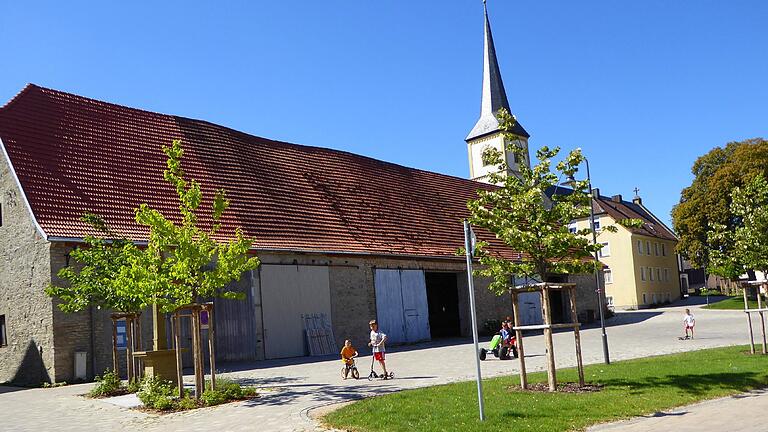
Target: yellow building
640	263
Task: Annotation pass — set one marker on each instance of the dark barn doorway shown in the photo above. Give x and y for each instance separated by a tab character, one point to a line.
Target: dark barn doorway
443	304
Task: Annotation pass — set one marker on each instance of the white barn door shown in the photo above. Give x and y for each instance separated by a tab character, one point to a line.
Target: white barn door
401	305
287	292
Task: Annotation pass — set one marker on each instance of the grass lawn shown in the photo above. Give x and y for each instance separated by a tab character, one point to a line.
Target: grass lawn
631	388
732	303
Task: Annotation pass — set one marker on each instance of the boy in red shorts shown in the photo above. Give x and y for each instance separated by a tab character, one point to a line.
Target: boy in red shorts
378	338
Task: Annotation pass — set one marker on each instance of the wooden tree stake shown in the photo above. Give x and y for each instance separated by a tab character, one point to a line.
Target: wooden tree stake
519	339
551	373
576	335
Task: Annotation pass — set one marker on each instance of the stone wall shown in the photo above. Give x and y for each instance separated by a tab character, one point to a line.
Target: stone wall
24	273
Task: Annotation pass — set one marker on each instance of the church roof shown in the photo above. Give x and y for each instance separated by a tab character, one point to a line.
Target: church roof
73	155
494	96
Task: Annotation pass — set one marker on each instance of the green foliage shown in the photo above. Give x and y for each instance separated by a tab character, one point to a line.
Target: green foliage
134	385
744	245
187	403
184	262
520	215
213	397
706	204
750	206
156	393
93	282
108	384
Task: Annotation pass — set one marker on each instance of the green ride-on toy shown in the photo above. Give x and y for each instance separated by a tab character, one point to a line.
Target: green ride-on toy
503	350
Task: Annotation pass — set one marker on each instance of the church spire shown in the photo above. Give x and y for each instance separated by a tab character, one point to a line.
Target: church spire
494	96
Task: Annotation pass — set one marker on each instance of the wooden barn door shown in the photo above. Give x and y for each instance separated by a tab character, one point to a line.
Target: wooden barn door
401	305
288	291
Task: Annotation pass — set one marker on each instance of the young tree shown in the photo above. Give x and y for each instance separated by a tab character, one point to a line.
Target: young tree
706	203
93	282
184	263
750	204
520	214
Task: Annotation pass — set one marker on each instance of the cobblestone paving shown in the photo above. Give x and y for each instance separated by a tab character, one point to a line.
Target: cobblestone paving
295	389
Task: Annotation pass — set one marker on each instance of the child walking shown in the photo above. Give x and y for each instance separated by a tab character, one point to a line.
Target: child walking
378	338
688	322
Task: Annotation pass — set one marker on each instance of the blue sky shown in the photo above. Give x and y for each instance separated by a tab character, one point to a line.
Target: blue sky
642	87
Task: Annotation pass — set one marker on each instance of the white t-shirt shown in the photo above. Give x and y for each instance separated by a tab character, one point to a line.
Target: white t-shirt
376	338
689	321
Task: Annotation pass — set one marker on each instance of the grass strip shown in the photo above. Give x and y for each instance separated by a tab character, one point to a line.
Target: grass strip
731	303
629	389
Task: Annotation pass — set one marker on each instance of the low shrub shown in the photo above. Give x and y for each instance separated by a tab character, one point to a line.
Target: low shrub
213	397
134	385
187	403
156	393
108	384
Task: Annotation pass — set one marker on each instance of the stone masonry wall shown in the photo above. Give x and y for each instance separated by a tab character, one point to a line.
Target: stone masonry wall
24	273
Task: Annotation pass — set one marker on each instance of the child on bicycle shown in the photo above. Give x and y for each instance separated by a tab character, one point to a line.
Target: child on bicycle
348	354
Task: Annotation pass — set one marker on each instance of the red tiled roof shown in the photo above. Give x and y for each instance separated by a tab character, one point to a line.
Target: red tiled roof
74	155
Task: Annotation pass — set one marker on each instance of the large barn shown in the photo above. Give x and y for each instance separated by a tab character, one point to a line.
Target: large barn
338	234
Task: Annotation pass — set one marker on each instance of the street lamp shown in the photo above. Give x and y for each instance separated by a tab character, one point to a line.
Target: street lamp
570	182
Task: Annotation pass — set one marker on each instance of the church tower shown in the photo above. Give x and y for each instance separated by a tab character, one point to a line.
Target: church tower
486	133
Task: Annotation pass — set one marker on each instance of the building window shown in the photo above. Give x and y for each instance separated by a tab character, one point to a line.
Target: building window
607	276
645	301
640	247
642	273
1	214
609	301
596	225
572	228
656	249
653	296
650	273
605	251
663	249
647	247
658	274
3	333
666	275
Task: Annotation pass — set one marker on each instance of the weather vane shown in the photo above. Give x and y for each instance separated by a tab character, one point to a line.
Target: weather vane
635	189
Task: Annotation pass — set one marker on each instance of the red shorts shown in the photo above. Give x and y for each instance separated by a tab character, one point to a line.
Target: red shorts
378	356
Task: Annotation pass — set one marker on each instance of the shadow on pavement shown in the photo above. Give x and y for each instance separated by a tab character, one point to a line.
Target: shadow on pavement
11	388
328	393
626	318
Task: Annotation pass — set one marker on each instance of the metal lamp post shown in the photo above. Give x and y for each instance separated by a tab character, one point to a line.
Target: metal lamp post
569	182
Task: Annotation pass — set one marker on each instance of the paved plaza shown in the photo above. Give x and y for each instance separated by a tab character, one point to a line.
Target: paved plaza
296	389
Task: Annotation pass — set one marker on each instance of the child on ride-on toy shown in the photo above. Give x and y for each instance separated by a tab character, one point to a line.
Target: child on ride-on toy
348	354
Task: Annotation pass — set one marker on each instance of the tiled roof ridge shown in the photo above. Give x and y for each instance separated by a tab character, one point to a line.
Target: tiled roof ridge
18	95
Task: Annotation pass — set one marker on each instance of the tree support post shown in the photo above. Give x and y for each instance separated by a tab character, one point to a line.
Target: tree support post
762	319
208	307
551	373
576	335
749	322
519	338
177	347
129	348
115	364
